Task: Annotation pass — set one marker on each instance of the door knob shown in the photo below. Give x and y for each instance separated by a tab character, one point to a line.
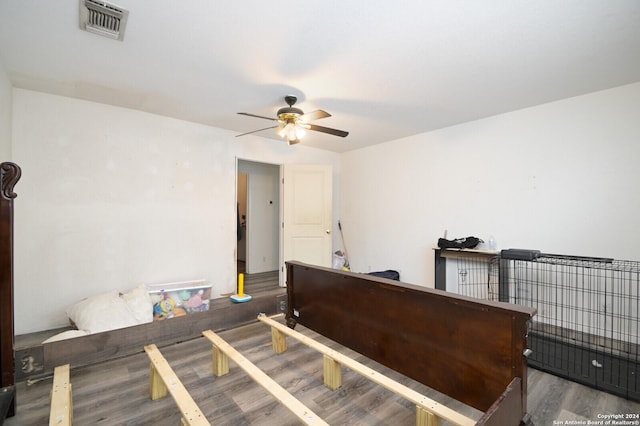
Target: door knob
328	231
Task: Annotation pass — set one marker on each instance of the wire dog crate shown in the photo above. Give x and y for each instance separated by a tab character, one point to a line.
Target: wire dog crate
587	322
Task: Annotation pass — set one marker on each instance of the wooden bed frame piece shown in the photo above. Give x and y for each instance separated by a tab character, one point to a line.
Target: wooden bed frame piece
9	176
223	350
428	411
99	347
61	411
163	380
469	349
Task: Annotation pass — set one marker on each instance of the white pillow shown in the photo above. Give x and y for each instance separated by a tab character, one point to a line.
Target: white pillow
139	302
100	313
69	334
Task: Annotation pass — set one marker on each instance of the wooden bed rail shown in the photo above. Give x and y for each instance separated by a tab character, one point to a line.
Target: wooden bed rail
428	411
222	351
61	412
164	379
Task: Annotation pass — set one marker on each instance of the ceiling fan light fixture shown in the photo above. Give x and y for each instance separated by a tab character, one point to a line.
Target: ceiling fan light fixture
299	132
283	130
290	131
293	122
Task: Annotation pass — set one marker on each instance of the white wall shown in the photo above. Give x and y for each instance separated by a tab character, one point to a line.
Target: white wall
560	177
110	198
5	116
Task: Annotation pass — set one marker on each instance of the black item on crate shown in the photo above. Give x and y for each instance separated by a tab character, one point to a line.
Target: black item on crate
389	273
520	254
459	243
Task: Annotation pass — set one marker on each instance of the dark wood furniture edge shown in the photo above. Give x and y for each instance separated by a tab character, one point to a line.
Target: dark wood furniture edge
289	316
507	409
9	175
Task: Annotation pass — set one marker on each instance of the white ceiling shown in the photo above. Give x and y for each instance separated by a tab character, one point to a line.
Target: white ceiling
383	69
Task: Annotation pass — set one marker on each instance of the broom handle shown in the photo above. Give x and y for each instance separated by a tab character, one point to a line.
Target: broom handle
344	246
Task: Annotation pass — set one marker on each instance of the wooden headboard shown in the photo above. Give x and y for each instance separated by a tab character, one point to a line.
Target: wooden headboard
9	176
466	348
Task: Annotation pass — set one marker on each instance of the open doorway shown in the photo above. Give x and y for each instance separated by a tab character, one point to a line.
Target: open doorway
258	210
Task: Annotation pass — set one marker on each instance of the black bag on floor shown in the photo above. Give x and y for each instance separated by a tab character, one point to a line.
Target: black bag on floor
390	274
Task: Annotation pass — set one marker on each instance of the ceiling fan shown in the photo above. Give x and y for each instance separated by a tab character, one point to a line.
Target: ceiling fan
293	122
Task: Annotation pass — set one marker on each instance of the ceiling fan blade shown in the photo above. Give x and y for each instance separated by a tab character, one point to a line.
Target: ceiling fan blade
258	116
322	129
315	115
256	131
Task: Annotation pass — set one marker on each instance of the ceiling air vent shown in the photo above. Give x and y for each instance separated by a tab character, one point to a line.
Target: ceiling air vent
102	18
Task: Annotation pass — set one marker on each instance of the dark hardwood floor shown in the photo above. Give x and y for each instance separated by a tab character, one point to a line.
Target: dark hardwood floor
117	392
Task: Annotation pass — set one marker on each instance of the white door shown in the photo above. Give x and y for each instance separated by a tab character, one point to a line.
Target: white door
306	218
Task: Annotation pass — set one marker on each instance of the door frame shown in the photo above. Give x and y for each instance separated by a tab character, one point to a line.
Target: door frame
281	213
